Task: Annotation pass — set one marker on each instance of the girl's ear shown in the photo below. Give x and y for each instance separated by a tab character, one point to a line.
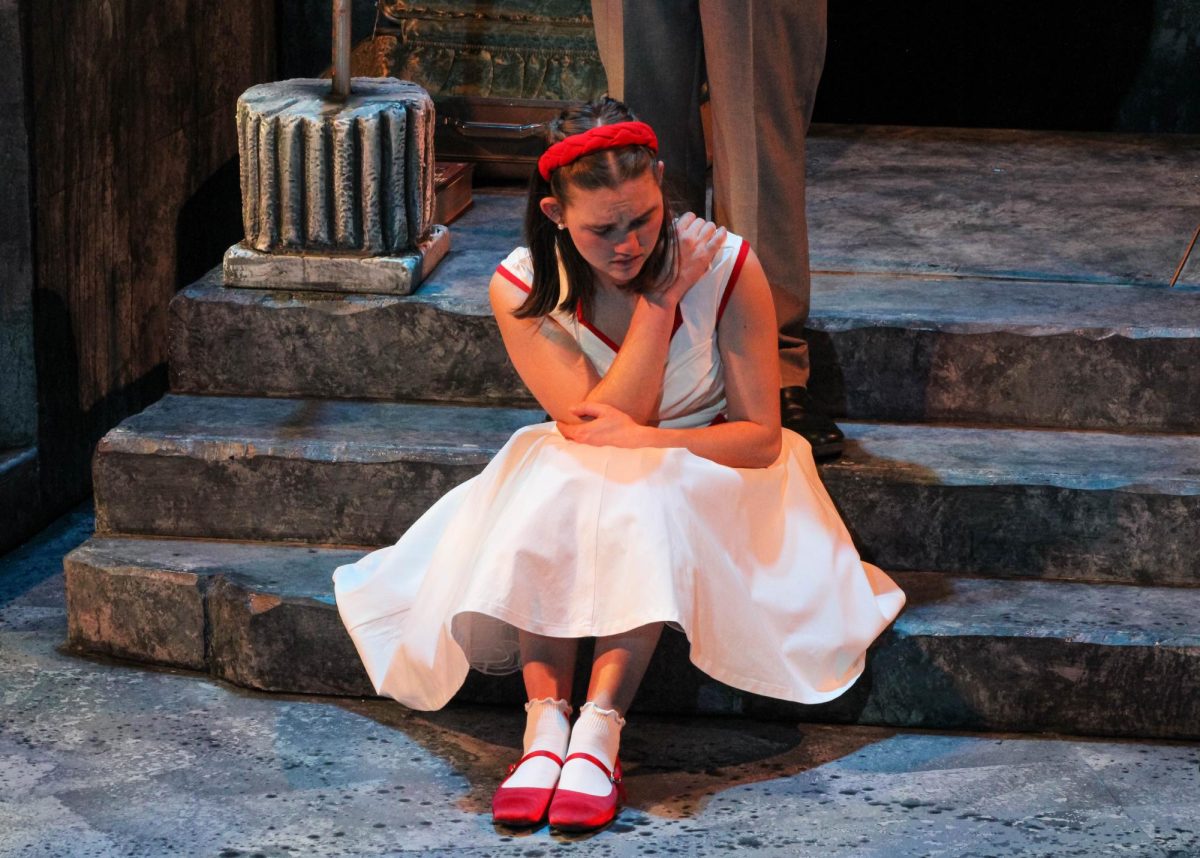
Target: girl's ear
659	169
552	209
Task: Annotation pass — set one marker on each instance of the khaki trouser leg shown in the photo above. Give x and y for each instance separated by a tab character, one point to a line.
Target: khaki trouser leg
764	61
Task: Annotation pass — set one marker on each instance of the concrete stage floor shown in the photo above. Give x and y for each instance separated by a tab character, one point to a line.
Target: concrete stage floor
104	759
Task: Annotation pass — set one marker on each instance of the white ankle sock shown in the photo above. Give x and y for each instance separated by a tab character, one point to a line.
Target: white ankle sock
597	732
547	726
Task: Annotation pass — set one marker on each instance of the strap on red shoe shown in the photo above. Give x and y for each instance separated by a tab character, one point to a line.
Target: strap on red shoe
533	754
613	775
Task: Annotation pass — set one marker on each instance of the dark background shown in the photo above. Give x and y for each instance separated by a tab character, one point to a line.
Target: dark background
1103	65
1079	65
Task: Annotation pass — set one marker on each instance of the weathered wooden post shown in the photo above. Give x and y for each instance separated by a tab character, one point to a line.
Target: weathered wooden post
337	182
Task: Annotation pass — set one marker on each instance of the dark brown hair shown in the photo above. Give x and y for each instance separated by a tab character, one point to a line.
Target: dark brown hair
606	168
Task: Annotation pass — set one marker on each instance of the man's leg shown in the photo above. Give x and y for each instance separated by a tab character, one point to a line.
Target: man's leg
654	59
764	61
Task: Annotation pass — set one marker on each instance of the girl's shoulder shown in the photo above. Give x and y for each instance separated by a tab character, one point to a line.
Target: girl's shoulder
734	249
704	304
722	272
517	268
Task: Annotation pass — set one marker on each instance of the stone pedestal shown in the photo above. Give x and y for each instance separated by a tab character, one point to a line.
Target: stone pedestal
396	274
336	194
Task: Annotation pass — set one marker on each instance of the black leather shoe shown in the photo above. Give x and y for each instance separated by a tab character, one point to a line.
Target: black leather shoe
798	414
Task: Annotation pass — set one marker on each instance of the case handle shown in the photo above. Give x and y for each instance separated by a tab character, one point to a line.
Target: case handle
494	129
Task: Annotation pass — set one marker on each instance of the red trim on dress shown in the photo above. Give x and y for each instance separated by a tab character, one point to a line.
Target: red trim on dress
611	343
512	278
733	278
599	333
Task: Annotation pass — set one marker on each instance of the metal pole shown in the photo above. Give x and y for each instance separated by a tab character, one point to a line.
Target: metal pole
1186	254
341	48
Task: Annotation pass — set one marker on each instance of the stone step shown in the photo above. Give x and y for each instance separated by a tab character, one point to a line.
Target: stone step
966	653
1090	506
440	343
971	350
332	471
884	347
1011	502
961	276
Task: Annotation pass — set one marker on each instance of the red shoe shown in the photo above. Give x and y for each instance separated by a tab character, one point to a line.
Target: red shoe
522	805
581	811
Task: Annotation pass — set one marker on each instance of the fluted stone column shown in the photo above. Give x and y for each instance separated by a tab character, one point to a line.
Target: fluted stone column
336	194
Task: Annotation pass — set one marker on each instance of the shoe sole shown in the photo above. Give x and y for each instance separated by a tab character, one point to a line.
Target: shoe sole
828	451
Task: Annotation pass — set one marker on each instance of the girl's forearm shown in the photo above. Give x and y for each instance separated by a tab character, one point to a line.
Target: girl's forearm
634	381
737	444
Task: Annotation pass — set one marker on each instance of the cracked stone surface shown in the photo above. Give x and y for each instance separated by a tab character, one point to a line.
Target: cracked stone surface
105	759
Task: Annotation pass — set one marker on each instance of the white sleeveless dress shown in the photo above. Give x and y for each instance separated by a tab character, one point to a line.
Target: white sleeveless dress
563	539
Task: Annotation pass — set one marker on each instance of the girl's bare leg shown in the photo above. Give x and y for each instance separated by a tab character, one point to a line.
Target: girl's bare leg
619	663
548	666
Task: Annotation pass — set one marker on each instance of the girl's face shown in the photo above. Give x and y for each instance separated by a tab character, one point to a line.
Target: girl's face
614	229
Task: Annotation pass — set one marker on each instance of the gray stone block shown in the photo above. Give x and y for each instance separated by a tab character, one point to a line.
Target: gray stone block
1010	502
245	342
253	343
375	275
340	472
256	615
1013	502
264	637
966	653
1021	354
117	606
979	654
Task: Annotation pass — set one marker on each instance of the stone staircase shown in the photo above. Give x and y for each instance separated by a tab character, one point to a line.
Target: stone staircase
1020	391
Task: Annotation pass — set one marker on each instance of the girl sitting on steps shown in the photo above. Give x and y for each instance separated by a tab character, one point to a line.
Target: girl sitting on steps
663	490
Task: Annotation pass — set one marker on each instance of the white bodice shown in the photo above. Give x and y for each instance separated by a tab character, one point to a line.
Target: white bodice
693	382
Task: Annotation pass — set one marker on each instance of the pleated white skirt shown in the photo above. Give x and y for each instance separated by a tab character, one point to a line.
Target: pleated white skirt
563	539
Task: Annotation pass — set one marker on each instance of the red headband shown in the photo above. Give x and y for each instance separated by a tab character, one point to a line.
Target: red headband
573	148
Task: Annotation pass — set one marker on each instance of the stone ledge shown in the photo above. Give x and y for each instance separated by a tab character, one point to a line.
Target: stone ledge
245	342
308	470
898	347
942	359
1018	503
245	267
967	653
